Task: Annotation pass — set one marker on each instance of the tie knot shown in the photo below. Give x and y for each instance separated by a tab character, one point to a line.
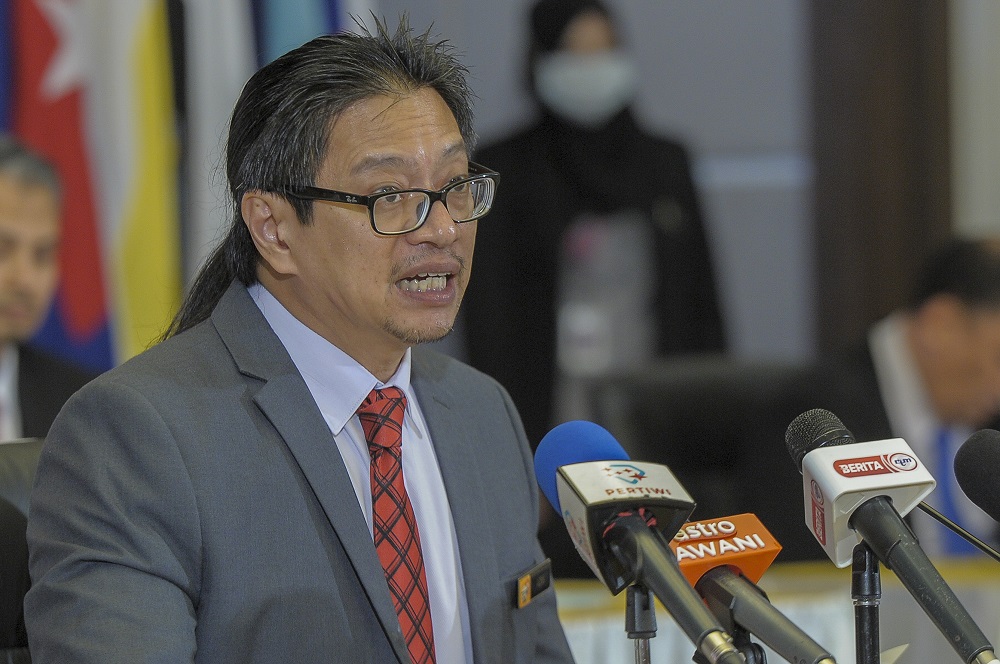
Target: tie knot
381	415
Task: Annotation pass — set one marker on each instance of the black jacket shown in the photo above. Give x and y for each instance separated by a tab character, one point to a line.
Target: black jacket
550	174
44	384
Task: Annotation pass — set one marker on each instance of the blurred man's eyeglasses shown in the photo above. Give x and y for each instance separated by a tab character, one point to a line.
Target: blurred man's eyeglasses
399	212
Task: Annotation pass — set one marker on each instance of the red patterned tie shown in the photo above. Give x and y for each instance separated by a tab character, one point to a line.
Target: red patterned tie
394	526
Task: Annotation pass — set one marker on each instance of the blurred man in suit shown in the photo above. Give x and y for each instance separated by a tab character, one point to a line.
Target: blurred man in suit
236	494
33	384
929	373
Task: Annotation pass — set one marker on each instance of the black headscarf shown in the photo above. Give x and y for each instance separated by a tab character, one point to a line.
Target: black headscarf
549	19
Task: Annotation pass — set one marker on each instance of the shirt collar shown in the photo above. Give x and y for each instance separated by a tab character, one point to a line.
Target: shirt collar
907	403
8	370
335	379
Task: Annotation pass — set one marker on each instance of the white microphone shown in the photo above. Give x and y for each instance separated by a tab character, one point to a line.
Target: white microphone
839	475
859	490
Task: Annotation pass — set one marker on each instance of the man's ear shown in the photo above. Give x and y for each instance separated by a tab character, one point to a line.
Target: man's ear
268	217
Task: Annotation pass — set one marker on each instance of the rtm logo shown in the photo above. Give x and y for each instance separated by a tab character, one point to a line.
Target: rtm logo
902	461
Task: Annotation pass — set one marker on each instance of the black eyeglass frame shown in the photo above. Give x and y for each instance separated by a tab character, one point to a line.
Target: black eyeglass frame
476	172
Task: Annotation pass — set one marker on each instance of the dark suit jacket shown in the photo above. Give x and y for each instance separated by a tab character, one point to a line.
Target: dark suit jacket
17	471
13	577
191	506
770	484
44	384
846	385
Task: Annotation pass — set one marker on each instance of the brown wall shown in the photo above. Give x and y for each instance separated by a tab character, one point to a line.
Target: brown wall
880	143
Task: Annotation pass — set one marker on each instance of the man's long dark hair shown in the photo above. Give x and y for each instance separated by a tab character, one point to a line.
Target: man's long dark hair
279	130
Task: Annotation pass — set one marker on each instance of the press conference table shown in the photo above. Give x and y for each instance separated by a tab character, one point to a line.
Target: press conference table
816	596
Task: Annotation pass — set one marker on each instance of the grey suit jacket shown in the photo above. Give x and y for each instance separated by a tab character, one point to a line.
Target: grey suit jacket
191	506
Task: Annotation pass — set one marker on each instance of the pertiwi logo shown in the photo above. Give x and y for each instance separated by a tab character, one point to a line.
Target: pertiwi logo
625	472
875	465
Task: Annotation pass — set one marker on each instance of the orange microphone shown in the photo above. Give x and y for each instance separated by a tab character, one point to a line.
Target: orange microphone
724	559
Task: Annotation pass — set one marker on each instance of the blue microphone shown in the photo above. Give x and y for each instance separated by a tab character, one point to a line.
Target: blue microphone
620	515
572	442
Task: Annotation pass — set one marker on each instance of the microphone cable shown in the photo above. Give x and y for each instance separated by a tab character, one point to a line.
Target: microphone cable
960	531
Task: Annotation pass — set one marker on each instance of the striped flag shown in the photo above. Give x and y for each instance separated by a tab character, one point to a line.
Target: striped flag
137	149
47	113
92	90
225	41
219	48
6	64
285	24
88	83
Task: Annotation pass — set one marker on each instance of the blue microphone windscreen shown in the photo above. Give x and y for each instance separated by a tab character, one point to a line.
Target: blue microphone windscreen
577	441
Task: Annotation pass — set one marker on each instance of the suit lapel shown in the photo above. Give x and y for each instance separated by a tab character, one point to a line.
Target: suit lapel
288	405
453	434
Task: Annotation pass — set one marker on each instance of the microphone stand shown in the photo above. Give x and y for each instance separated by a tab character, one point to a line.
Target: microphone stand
640	624
640	620
866	589
646	556
752	652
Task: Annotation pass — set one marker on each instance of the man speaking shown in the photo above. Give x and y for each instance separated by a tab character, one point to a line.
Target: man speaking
287	477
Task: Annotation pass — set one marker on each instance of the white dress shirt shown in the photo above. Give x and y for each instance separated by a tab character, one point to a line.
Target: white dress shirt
339	384
10	408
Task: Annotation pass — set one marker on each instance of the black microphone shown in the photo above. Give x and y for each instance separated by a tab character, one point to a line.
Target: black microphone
975	464
619	514
853	484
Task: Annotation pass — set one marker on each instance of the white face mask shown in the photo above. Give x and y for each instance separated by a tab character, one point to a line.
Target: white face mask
587	90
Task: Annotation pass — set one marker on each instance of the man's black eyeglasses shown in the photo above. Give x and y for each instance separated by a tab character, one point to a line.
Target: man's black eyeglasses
406	210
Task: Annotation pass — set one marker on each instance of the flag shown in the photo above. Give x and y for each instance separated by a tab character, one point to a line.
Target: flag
47	113
92	91
225	41
219	49
282	25
6	64
137	149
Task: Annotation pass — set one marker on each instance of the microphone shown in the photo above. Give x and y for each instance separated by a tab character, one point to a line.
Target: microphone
866	488
839	474
723	559
619	514
975	463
